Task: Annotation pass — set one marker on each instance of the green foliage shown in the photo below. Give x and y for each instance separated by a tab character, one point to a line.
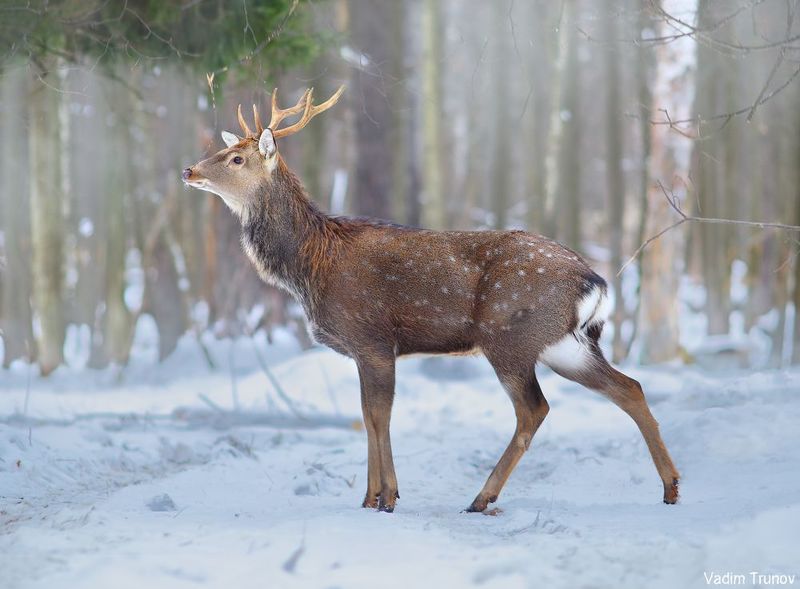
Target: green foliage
244	38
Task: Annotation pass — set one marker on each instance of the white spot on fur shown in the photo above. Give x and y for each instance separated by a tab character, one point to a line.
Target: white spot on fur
540	270
521	272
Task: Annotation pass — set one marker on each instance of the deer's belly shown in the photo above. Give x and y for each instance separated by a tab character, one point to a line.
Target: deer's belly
434	335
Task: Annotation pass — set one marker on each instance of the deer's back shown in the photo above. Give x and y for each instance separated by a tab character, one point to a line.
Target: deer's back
419	291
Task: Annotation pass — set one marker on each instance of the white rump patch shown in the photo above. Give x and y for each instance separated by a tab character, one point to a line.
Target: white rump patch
569	354
572	353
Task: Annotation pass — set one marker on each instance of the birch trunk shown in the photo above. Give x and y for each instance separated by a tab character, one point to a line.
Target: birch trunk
669	165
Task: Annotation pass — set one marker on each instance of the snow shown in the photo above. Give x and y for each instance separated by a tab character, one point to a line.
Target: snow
177	475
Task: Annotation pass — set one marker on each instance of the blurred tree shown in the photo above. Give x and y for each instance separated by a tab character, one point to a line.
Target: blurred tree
796	296
16	327
712	174
372	86
614	177
47	215
432	161
568	158
500	171
662	263
559	50
644	70
536	114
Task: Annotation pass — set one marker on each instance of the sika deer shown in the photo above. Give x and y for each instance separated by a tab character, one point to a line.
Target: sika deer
375	291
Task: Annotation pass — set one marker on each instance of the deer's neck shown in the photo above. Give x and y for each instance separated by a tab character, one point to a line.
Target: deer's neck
289	240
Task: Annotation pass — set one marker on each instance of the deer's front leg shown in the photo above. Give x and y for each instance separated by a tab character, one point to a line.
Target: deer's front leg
373	457
376	372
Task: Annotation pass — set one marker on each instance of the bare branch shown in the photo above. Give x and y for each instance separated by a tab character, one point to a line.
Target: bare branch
729	115
672	199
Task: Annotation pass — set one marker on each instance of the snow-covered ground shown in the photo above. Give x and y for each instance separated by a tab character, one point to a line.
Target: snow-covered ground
179	476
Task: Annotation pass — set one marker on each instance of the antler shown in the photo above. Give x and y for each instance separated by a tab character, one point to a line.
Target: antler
278	114
242	123
304	105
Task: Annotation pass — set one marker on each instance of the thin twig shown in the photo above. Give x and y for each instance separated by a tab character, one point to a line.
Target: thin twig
276	384
777	64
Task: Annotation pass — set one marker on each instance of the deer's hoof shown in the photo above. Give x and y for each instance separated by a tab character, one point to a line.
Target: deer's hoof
480	504
370	501
671	492
387	500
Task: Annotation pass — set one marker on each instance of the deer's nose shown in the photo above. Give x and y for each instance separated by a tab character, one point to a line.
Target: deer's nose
187	173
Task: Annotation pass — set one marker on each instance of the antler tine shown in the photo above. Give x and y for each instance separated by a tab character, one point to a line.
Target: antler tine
257	120
309	113
242	123
278	114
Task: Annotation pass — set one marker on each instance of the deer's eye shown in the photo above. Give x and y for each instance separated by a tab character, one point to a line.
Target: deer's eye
238	160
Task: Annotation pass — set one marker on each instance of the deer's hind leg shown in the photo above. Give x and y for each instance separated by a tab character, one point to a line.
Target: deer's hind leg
627	394
531	408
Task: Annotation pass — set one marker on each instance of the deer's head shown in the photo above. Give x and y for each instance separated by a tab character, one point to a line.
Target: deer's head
244	171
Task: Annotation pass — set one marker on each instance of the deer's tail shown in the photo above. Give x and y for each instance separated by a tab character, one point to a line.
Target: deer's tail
578	351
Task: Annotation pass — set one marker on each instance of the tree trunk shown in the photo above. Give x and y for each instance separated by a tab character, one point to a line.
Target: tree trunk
535	125
499	170
796	297
555	129
615	185
117	321
567	200
712	177
435	205
16	327
373	178
398	104
47	221
669	165
644	69
414	189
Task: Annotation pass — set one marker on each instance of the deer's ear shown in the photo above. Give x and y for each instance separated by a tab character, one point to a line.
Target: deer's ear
266	143
230	139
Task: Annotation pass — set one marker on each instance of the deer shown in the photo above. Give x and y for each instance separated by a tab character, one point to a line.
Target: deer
376	291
